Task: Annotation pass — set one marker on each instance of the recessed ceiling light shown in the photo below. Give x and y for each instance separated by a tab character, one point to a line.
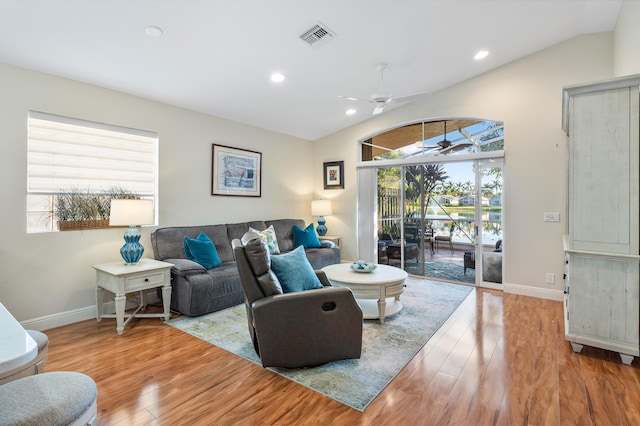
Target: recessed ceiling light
350	111
481	55
277	77
153	31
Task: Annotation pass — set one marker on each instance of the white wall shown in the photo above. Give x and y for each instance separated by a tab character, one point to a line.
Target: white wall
627	40
526	95
50	274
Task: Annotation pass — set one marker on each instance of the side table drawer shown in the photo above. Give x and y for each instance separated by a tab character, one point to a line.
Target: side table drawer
145	281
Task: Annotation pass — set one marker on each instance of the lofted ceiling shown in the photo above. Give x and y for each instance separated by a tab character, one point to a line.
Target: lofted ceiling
216	56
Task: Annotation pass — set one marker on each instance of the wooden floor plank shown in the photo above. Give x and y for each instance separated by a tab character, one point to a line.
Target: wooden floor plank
500	359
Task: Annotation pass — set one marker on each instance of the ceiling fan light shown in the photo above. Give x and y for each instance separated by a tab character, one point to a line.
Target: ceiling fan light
481	55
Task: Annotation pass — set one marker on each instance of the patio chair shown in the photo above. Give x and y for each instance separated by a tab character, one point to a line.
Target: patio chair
446	238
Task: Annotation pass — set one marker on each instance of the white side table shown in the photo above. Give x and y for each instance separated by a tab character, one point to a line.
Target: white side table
120	279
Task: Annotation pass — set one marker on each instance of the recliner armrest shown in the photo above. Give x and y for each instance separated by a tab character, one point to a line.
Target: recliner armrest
322	276
296	304
308	328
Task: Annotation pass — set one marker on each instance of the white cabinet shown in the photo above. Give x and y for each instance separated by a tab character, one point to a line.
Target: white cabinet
602	306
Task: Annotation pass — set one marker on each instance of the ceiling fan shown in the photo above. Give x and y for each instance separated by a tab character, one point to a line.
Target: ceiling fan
445	146
381	99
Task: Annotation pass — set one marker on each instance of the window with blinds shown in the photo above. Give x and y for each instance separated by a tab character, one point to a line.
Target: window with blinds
71	155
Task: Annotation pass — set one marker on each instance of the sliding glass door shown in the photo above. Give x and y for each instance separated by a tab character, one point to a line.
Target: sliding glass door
440	215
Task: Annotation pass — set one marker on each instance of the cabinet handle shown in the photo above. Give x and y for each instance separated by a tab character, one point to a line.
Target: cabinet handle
146	280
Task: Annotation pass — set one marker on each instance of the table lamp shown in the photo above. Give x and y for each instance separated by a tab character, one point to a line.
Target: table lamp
321	208
131	213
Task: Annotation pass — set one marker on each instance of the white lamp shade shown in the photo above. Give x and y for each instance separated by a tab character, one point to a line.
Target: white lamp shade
131	212
321	208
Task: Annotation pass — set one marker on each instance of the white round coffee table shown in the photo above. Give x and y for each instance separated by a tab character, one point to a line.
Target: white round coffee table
384	284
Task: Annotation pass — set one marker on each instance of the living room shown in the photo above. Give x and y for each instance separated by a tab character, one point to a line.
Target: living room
46	279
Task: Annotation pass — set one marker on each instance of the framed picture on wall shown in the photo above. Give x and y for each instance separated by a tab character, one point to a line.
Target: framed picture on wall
334	175
236	171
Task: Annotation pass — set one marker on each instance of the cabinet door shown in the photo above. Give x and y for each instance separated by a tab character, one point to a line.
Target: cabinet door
603	301
603	171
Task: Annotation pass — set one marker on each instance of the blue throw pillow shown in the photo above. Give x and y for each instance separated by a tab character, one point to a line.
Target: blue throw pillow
294	271
202	250
306	238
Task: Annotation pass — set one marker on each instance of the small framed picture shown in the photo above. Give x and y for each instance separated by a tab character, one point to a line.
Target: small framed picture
334	175
236	171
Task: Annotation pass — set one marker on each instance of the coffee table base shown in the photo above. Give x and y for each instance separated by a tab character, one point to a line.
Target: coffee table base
371	309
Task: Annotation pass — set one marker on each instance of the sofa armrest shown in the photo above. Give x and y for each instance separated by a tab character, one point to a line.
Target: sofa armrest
327	244
185	267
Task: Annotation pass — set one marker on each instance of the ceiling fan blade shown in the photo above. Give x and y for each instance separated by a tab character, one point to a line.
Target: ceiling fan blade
456	147
411	97
379	108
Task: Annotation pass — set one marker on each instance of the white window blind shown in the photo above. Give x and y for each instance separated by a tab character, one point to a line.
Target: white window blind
66	153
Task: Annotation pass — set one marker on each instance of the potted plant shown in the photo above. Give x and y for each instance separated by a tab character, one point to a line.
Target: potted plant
77	209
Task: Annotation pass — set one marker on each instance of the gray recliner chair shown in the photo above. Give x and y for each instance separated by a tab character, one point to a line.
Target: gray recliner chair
293	330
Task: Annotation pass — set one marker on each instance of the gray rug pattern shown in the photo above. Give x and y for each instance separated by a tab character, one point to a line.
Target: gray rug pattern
386	348
442	270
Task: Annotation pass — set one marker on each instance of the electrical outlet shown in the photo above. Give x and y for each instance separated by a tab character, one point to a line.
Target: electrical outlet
551	217
551	278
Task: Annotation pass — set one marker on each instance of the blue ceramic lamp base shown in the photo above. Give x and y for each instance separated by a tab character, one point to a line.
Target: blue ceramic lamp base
322	229
132	250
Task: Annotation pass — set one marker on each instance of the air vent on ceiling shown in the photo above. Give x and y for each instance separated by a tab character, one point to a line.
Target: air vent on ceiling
317	35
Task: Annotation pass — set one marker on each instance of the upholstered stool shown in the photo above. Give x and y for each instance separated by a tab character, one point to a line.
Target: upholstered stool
34	366
51	399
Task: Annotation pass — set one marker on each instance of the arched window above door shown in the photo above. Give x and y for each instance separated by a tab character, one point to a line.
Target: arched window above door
437	137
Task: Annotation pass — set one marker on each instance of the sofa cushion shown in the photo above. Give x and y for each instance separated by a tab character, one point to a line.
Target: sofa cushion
202	251
269	237
306	238
259	260
294	271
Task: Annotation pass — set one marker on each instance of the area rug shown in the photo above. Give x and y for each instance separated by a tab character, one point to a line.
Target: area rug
386	348
442	271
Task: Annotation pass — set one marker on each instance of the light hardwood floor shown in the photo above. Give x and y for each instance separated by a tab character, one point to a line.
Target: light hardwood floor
500	359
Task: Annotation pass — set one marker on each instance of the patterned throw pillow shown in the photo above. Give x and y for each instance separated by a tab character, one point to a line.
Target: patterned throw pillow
269	237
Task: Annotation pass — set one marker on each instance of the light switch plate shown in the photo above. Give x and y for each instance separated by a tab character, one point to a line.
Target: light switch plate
551	217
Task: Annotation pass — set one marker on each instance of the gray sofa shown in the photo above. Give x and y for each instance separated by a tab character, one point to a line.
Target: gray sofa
196	290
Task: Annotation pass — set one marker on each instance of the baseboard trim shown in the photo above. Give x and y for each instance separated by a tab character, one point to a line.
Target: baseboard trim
63	318
541	293
76	315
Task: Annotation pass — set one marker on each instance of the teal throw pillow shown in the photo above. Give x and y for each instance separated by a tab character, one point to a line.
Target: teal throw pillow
306	238
294	271
202	250
269	237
